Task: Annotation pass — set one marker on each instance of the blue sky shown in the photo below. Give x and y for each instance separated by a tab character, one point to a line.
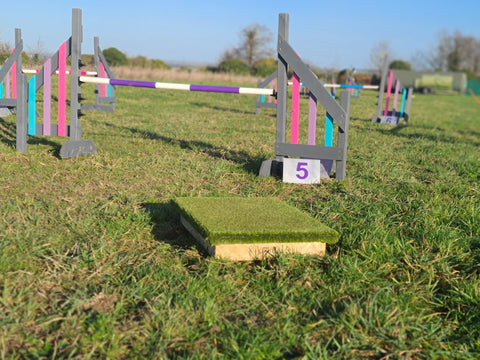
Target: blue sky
333	34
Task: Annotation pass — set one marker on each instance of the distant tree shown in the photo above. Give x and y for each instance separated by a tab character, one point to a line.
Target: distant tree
230	54
379	53
38	54
138	61
236	66
264	67
115	57
254	45
454	52
400	65
88	60
158	64
25	57
4	51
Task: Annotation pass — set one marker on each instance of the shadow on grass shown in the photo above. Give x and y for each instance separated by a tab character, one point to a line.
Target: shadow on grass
7	132
249	163
441	137
220	108
8	136
424	132
167	227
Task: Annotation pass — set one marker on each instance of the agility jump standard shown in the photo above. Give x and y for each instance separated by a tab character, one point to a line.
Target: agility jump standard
25	91
334	149
384	115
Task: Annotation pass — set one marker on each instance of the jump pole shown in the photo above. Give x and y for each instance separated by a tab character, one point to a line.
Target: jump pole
351	86
56	72
175	86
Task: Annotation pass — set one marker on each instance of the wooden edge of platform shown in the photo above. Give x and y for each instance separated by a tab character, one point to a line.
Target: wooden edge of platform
255	251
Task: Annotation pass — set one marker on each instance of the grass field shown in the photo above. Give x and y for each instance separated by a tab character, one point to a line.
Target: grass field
94	262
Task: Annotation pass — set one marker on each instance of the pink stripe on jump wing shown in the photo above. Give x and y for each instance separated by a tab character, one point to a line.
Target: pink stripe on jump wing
62	89
389	90
14	80
295	109
102	87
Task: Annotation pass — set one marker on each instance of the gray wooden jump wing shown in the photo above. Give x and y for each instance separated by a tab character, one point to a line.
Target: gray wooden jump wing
287	57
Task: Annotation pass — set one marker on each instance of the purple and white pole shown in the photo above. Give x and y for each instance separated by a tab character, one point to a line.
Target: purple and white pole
173	86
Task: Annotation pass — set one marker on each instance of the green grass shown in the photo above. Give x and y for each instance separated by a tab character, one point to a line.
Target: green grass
94	262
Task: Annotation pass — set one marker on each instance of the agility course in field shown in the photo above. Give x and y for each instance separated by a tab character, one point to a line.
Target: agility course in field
321	158
95	262
295	161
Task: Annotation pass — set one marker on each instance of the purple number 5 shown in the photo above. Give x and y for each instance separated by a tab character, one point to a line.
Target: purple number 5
302	168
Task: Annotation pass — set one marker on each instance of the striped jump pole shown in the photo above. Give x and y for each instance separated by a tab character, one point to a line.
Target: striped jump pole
352	86
175	86
56	72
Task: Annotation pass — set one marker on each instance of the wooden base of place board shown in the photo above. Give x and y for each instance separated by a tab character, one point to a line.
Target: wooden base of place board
254	251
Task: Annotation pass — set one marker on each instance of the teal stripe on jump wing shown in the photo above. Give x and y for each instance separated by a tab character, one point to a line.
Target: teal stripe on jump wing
32	84
402	106
328	130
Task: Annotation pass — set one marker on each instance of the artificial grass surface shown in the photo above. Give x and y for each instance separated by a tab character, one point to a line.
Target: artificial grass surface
236	220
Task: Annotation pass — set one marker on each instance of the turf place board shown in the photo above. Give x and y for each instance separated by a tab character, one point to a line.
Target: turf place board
251	228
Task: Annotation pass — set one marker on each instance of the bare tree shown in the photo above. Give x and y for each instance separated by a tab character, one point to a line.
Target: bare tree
4	47
254	45
38	54
454	52
379	53
4	52
467	49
